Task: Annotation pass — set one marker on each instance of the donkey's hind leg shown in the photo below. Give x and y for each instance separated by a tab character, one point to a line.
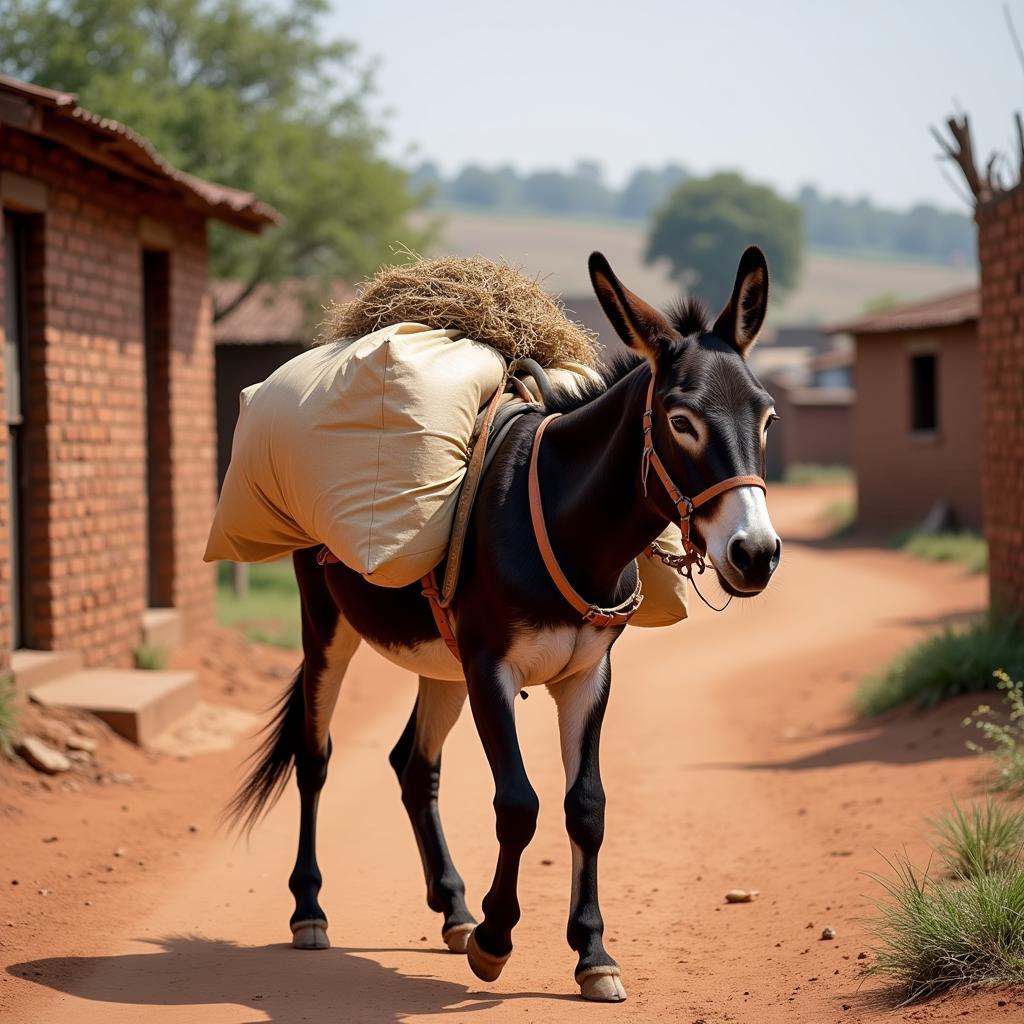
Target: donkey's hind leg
328	643
416	760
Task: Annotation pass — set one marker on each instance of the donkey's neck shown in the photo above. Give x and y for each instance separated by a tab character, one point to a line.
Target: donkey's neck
598	516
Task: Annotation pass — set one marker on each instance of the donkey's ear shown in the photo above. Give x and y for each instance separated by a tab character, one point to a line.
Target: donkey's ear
636	322
740	322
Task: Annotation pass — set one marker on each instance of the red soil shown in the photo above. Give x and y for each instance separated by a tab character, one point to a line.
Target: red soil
730	760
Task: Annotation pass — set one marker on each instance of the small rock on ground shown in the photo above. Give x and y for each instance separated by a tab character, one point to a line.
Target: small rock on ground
41	757
742	895
828	934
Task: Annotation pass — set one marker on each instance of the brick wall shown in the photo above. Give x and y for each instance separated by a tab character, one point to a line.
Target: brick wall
1001	340
5	569
86	424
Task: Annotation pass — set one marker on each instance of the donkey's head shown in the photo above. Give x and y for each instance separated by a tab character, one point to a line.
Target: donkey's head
711	415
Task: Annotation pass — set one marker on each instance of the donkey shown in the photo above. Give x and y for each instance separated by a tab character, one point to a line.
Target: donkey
682	400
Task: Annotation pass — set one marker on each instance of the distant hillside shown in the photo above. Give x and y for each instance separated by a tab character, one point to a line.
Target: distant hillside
832	286
848	226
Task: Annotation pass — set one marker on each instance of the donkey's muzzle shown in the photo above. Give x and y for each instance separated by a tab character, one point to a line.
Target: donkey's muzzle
754	560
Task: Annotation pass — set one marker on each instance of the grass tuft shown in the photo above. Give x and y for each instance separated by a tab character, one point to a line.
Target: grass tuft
947	664
812	473
935	935
986	838
150	658
8	715
968	549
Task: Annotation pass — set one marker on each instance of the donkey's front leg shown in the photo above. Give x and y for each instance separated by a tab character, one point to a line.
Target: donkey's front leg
581	702
492	689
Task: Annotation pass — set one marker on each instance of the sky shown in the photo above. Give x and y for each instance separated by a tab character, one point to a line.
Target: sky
839	95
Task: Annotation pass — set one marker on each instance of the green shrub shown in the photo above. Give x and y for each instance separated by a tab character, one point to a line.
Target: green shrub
150	658
1006	737
939	934
968	549
947	664
8	714
988	837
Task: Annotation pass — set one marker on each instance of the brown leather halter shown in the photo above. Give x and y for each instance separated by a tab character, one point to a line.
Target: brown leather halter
620	614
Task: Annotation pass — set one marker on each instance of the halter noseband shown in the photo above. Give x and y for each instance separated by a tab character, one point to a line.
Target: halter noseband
620	614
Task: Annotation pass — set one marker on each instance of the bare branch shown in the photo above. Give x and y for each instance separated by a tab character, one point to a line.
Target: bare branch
1013	34
961	152
1019	122
243	293
954	184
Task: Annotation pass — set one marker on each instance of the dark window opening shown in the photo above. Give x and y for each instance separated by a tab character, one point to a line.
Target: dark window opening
156	321
15	377
924	399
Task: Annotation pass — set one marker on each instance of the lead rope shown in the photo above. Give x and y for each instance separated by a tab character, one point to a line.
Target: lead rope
683	564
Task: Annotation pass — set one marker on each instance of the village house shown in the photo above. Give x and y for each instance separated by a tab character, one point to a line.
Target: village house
107	483
916	422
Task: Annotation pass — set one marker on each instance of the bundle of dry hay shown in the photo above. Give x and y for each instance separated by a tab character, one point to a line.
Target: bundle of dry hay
487	301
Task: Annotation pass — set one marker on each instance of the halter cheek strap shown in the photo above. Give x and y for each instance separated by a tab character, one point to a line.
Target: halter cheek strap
685	507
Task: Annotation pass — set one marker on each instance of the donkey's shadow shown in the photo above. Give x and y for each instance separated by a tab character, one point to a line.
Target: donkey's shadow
278	983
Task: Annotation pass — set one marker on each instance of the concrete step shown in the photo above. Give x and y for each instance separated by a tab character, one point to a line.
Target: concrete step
162	629
33	668
137	704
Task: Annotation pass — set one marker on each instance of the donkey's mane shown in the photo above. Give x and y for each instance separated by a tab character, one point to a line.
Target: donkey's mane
690	316
568	397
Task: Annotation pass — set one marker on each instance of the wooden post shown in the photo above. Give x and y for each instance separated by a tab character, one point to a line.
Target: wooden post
240	579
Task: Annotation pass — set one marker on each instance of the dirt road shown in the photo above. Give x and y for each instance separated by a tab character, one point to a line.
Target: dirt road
730	760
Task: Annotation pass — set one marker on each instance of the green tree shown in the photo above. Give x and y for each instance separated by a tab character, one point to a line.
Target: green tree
707	222
249	93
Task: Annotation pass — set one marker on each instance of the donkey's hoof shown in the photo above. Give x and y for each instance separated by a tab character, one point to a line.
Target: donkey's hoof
456	938
602	985
484	965
310	935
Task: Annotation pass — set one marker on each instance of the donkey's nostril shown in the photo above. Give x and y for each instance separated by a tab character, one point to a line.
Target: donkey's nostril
774	564
739	555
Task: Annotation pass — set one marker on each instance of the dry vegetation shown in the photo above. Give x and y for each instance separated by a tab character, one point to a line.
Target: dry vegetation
486	300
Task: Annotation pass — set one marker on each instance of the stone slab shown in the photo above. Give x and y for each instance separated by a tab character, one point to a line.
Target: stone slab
137	704
33	668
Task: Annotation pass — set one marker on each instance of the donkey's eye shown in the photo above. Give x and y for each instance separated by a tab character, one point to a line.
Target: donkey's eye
771	420
683	425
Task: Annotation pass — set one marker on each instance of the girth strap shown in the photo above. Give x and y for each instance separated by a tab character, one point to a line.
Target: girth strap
429	589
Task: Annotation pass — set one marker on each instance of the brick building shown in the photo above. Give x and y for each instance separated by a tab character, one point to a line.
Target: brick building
107	480
916	420
1001	344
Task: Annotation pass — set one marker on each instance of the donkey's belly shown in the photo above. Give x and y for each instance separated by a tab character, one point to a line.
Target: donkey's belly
432	660
535	657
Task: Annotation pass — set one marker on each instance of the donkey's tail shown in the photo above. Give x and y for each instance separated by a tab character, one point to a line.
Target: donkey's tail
272	760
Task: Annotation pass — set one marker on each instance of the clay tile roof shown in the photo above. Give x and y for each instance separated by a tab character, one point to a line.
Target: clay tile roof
948	310
278	311
57	115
